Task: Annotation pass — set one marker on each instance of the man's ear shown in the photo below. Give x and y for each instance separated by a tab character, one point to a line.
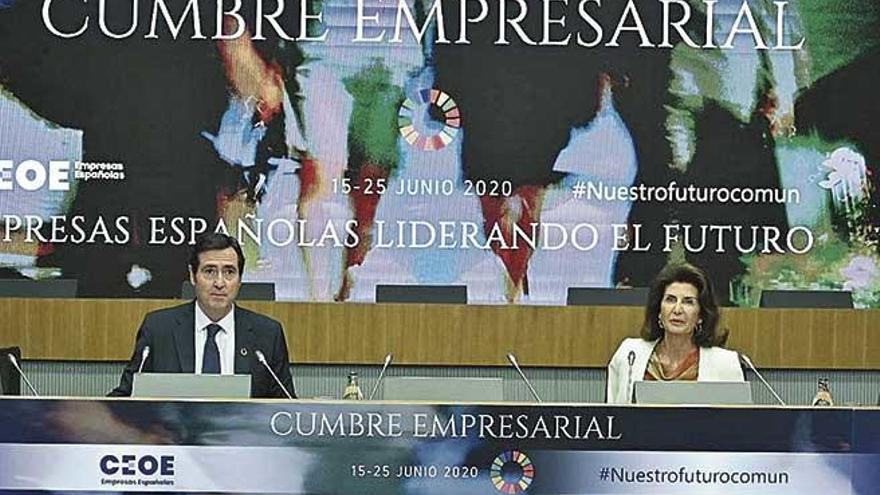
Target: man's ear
192	277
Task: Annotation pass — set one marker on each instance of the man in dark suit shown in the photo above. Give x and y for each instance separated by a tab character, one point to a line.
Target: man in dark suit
10	381
212	334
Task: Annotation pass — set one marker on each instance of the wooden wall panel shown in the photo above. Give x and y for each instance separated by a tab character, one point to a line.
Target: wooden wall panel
871	355
96	329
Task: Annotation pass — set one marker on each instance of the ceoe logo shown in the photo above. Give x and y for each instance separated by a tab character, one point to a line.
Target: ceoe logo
31	175
131	465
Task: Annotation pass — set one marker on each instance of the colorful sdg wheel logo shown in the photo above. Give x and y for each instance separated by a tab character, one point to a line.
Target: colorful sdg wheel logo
432	104
512	472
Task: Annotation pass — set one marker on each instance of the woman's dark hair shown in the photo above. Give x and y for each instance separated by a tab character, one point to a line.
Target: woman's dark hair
711	334
215	242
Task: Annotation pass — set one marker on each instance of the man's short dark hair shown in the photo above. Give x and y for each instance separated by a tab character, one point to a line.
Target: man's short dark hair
215	242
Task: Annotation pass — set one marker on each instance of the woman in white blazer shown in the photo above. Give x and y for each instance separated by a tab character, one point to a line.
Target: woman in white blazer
680	338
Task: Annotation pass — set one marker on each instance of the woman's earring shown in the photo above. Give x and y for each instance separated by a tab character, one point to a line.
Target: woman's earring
660	323
699	327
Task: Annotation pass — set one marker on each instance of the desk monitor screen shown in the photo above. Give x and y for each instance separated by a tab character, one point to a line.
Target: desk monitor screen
249	291
603	296
443	389
806	299
188	385
422	294
51	288
701	393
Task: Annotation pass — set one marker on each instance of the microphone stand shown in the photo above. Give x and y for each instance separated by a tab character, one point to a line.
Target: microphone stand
262	359
745	359
512	359
21	373
388	359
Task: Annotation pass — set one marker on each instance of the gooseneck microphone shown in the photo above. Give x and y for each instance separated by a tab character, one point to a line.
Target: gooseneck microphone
388	360
20	372
262	359
144	355
748	362
631	360
512	359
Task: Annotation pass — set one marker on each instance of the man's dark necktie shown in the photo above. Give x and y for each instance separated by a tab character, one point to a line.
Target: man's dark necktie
211	358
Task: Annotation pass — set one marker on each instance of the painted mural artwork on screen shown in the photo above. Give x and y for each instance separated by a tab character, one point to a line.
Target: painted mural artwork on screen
517	148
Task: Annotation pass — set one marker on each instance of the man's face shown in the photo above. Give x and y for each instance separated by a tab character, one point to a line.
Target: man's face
216	282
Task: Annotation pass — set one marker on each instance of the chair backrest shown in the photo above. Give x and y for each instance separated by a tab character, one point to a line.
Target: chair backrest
604	296
424	294
10	382
249	291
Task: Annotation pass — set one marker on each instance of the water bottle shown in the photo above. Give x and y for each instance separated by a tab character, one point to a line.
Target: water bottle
823	394
353	390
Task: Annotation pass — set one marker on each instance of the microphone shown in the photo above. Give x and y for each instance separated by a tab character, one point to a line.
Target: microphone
512	359
748	362
20	372
262	359
631	360
144	355
388	360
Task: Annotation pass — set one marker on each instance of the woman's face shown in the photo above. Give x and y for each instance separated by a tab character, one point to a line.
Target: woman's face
680	308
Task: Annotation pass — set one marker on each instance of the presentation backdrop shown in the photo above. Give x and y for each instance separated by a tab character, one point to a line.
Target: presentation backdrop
516	147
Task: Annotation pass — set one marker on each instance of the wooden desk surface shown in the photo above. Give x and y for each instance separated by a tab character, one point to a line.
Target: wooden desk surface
458	335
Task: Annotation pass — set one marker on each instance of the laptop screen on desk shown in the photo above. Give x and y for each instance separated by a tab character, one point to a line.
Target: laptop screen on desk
188	385
701	393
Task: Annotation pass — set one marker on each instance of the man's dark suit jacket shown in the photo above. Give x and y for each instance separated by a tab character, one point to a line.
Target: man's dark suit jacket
170	334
